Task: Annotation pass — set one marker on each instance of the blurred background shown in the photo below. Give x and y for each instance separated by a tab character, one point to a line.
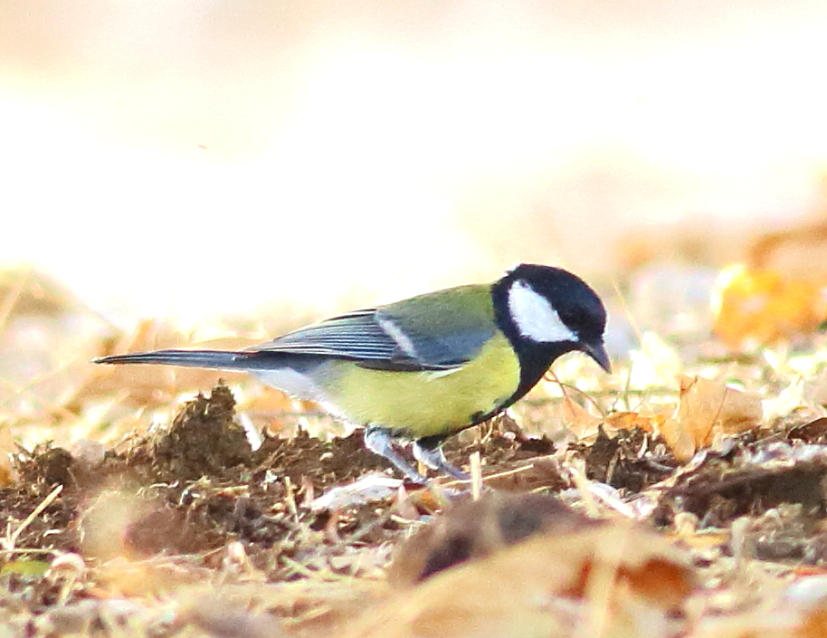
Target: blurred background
262	158
210	156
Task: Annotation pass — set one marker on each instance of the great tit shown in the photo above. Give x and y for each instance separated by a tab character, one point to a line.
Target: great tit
426	367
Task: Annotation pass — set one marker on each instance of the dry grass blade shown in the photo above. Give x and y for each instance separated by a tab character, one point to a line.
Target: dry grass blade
10	541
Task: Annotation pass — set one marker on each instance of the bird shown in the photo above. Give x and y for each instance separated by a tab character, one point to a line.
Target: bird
421	369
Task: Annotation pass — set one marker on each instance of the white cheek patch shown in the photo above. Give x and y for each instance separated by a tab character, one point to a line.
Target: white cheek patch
534	317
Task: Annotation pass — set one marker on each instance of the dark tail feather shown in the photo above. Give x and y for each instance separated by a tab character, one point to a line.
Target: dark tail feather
190	358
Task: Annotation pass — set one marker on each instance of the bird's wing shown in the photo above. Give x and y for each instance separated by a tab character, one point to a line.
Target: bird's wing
361	336
441	330
415	334
356	335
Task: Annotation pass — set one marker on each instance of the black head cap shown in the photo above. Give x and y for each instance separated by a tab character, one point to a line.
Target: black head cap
546	308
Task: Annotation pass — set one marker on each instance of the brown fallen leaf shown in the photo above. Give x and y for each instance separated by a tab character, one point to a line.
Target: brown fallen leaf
708	410
680	441
629	421
576	418
611	580
471	530
754	307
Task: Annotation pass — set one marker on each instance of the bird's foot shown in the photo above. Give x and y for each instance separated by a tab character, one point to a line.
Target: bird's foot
380	441
433	457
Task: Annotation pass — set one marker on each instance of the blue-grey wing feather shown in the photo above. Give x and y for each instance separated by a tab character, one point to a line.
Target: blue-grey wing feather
377	340
439	348
356	335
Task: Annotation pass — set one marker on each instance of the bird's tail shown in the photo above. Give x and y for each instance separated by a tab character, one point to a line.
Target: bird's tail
219	359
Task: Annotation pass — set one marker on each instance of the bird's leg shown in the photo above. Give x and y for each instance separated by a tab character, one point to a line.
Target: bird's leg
428	451
380	441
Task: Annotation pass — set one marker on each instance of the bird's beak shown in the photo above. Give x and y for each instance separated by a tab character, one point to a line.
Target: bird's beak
597	351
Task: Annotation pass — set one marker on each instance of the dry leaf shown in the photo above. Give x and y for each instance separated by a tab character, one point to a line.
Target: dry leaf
612	580
797	611
662	421
371	488
757	307
471	530
576	418
628	421
708	410
679	440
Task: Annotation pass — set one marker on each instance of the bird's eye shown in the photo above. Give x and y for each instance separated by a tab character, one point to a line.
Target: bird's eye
572	317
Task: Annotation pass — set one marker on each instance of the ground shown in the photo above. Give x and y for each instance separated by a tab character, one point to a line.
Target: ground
693	491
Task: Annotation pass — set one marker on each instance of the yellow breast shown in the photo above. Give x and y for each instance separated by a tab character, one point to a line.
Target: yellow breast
428	403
